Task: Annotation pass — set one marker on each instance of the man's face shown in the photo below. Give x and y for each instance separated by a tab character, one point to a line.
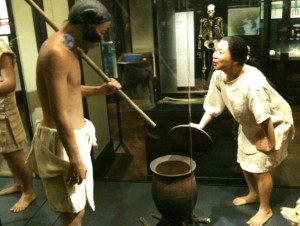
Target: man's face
101	29
222	57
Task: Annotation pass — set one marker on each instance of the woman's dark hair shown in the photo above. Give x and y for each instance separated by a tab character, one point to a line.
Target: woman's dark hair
237	48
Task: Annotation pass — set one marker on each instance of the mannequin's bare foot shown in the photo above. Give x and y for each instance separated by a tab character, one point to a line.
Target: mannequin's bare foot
10	190
243	200
260	218
23	203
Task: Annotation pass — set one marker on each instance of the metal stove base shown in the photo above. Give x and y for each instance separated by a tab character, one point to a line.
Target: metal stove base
193	221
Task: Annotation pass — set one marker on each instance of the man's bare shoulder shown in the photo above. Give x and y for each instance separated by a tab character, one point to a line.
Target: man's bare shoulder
54	59
53	50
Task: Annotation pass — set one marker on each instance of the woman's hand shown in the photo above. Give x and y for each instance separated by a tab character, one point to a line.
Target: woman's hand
195	125
267	142
265	145
206	118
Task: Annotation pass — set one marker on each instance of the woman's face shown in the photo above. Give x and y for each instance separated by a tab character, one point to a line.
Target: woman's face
222	57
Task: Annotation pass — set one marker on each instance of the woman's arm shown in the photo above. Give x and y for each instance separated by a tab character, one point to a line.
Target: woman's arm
267	142
206	118
8	83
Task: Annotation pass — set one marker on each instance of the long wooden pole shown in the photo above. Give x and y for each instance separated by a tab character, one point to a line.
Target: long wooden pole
92	64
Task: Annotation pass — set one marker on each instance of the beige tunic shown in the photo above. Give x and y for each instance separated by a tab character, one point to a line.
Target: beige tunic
12	133
251	100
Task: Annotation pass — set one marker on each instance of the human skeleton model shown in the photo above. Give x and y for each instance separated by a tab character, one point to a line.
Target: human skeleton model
211	31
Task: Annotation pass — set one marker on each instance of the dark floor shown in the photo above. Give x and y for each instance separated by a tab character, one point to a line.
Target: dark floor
123	203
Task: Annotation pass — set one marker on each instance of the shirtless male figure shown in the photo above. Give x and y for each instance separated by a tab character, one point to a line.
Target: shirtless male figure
67	136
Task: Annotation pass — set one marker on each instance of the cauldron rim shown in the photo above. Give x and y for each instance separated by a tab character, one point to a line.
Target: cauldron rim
189	161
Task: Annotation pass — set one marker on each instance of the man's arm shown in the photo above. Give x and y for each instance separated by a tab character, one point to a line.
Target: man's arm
104	89
56	78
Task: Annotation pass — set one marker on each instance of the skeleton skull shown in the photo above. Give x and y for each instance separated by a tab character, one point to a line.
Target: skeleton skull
211	10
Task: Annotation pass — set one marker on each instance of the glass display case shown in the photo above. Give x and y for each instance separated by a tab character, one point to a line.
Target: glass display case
187	32
183	35
284	49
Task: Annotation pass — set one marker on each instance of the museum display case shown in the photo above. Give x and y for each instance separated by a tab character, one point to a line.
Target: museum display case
187	33
284	49
183	35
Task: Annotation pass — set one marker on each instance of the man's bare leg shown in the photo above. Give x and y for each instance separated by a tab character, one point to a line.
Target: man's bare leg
72	219
265	187
23	180
252	196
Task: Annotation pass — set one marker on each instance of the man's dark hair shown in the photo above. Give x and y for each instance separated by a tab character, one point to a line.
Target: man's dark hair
88	12
237	48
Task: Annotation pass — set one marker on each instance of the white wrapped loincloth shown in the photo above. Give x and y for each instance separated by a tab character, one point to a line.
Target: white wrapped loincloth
49	160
